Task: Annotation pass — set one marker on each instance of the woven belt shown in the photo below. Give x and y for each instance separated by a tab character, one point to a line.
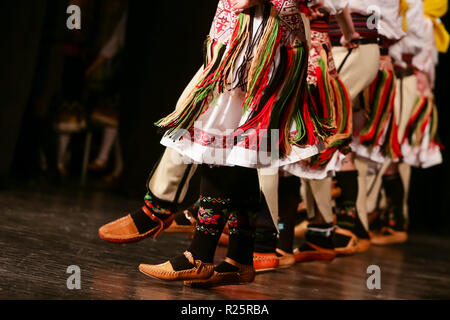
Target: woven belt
402	73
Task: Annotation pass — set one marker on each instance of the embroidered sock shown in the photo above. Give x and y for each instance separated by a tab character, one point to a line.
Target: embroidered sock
152	205
395	193
289	197
212	216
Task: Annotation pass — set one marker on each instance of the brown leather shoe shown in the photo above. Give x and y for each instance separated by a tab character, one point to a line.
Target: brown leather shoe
124	230
389	236
181	228
286	259
265	261
352	244
245	274
165	270
315	254
300	229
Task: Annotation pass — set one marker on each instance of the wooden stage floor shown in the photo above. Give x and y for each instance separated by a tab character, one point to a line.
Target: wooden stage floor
43	231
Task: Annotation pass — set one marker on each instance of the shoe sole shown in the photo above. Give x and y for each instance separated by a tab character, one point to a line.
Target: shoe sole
310	257
180	229
265	270
162	279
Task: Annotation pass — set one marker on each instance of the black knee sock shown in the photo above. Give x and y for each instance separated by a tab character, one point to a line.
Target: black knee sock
320	235
266	235
395	193
288	199
241	224
348	181
222	190
241	227
185	219
152	205
346	212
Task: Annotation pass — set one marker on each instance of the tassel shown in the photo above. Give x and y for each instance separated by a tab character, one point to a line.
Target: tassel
219	63
379	109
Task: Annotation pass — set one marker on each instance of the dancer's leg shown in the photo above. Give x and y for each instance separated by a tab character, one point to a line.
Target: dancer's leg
109	137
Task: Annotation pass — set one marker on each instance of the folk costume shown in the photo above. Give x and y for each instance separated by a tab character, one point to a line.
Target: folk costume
324	88
357	68
376	137
420	143
417	113
253	78
253	81
325	92
376	131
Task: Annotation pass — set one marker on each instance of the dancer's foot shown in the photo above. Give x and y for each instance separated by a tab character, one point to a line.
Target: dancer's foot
229	272
310	252
62	170
345	242
147	222
350	227
98	166
389	236
182	267
285	259
300	229
319	244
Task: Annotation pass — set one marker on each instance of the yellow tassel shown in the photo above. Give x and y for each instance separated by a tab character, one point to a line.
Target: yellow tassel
404	7
434	9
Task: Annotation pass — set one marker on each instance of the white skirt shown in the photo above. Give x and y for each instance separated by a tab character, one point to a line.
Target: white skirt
212	139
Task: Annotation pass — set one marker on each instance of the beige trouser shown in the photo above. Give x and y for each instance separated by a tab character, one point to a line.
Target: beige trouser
357	73
170	179
318	192
360	68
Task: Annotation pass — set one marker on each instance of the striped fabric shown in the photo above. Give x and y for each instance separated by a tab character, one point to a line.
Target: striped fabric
361	26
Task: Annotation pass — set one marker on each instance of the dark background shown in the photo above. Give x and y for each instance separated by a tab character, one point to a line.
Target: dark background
163	50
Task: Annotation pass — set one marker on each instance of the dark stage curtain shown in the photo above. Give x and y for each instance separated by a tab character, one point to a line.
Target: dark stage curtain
164	50
429	202
21	25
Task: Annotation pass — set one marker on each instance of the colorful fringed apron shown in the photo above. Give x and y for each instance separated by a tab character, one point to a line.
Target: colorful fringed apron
251	91
329	101
421	145
378	138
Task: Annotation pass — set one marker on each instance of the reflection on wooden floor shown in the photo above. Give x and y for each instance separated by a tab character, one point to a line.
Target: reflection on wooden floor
44	232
